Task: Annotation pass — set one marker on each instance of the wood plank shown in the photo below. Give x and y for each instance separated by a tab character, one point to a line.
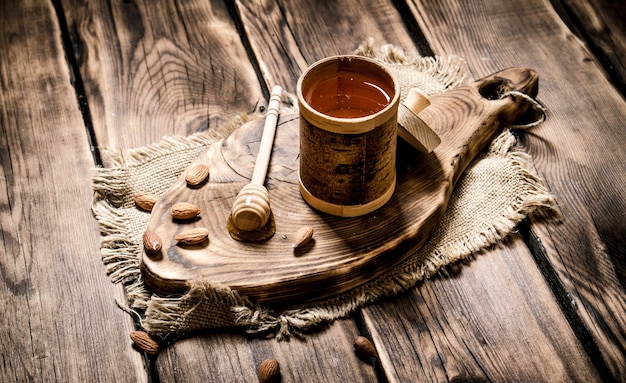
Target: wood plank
319	358
288	36
400	362
491	320
579	149
55	295
159	68
601	24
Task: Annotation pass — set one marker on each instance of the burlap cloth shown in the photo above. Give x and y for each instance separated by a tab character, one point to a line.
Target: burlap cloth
496	192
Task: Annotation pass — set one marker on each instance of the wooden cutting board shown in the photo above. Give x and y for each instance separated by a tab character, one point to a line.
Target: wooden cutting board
345	252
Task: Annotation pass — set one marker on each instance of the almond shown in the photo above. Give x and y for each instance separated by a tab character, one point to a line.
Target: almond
196	174
145	201
269	371
302	236
185	210
144	342
192	236
364	348
152	242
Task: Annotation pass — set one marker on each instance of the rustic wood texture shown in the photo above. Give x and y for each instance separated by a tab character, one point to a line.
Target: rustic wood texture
147	72
601	24
288	36
490	320
56	299
579	151
325	357
153	69
346	250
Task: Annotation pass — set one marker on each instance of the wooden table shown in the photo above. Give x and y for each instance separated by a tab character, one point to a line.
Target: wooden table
546	305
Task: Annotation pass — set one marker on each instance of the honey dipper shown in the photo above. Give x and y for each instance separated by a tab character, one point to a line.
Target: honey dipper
251	209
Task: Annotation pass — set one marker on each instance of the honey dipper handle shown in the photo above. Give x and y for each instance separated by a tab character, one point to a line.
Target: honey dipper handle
267	140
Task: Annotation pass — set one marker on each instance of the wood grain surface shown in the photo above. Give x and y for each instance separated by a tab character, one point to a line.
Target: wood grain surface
601	24
56	298
286	36
463	325
159	68
578	150
346	252
326	357
547	305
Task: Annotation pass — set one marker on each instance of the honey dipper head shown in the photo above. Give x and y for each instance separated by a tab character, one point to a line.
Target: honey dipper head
251	209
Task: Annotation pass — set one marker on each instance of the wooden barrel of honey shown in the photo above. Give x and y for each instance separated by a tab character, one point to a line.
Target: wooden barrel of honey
348	132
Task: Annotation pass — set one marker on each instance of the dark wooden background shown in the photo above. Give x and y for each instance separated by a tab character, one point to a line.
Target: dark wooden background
76	76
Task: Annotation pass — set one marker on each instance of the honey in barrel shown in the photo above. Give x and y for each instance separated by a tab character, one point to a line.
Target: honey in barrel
347	95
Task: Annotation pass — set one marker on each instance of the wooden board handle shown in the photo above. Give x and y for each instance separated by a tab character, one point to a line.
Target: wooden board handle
468	117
